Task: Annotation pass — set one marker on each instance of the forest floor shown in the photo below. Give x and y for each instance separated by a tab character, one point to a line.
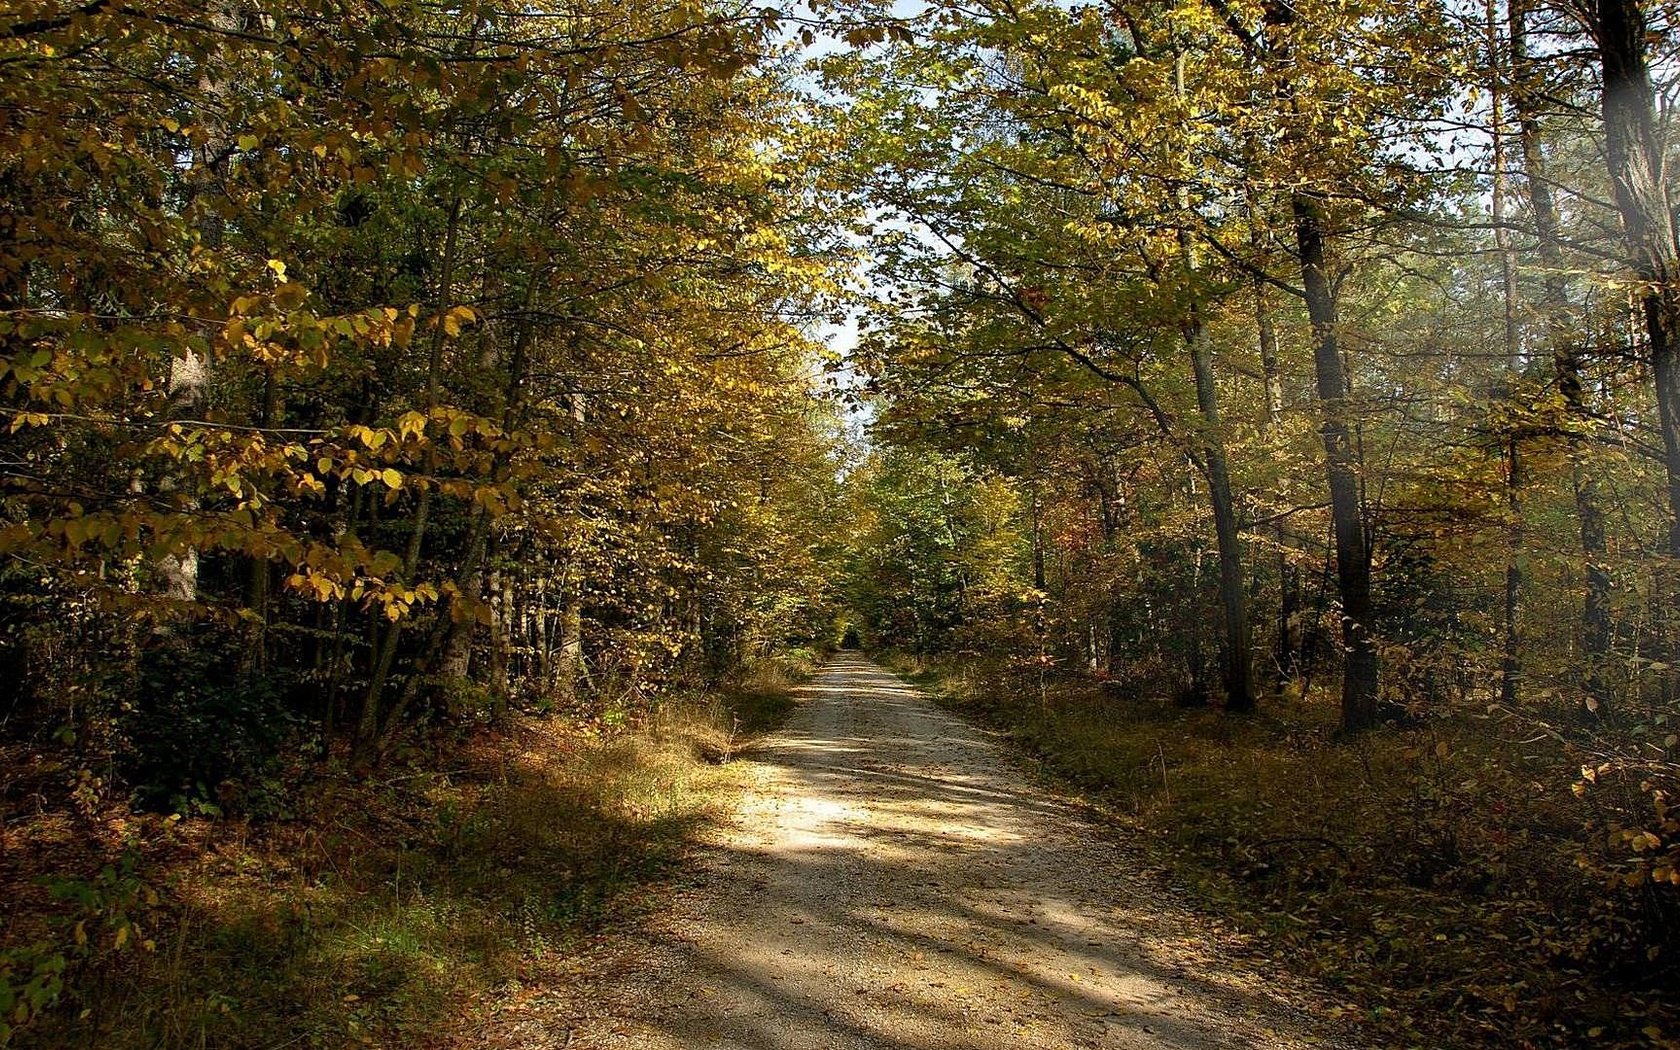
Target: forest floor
421	908
1439	880
893	878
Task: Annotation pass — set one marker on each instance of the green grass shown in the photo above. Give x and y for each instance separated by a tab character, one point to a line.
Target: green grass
400	913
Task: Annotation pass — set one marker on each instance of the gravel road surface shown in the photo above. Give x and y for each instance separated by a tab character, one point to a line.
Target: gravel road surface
895	880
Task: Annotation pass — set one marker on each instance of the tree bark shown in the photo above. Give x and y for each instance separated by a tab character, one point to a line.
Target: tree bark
469	581
1566	364
569	665
1510	670
1233	596
1360	681
1634	151
1236	671
189	374
1361	685
1287	650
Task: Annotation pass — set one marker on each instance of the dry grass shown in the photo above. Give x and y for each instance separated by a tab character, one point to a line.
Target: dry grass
397	912
1432	876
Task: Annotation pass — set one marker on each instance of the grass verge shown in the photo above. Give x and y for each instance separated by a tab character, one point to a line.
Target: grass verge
1432	878
399	912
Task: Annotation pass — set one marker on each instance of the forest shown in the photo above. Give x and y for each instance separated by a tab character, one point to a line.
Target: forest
437	437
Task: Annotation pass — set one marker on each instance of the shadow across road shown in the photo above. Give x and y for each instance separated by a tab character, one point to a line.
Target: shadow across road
894	882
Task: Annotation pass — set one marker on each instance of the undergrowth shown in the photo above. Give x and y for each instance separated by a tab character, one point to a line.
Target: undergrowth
1439	879
392	912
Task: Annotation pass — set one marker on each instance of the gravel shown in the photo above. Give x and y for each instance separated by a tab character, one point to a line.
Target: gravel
894	879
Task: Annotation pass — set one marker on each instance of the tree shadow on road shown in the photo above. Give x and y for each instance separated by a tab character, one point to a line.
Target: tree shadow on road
917	892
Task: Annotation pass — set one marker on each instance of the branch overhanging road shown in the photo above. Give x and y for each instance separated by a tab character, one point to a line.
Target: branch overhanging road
893	881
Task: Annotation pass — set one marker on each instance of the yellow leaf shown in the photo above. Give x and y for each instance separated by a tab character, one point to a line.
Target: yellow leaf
456	318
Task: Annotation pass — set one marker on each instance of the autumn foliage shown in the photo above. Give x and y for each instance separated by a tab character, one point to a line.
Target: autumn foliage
1253	379
370	370
1313	361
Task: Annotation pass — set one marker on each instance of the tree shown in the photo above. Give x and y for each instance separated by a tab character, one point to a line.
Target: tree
295	336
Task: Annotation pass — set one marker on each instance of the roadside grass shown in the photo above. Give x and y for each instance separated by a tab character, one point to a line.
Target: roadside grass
1438	879
396	913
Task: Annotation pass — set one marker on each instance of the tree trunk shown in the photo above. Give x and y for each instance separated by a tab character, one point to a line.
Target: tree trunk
469	580
1510	670
569	665
189	374
1566	365
1233	596
502	627
189	383
368	726
1235	655
258	584
1287	651
1360	685
1037	538
1633	150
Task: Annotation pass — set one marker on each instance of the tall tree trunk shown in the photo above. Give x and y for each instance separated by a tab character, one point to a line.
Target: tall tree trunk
1287	650
469	580
1119	605
502	626
1634	151
1360	685
1036	537
189	374
1236	671
569	665
261	569
189	383
1566	363
1233	596
1510	670
449	646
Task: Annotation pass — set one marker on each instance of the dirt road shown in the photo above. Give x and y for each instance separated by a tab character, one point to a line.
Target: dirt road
894	881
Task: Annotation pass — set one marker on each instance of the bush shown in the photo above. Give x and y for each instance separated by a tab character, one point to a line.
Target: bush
200	729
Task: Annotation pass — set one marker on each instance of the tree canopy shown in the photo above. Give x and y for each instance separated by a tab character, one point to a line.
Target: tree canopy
373	370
